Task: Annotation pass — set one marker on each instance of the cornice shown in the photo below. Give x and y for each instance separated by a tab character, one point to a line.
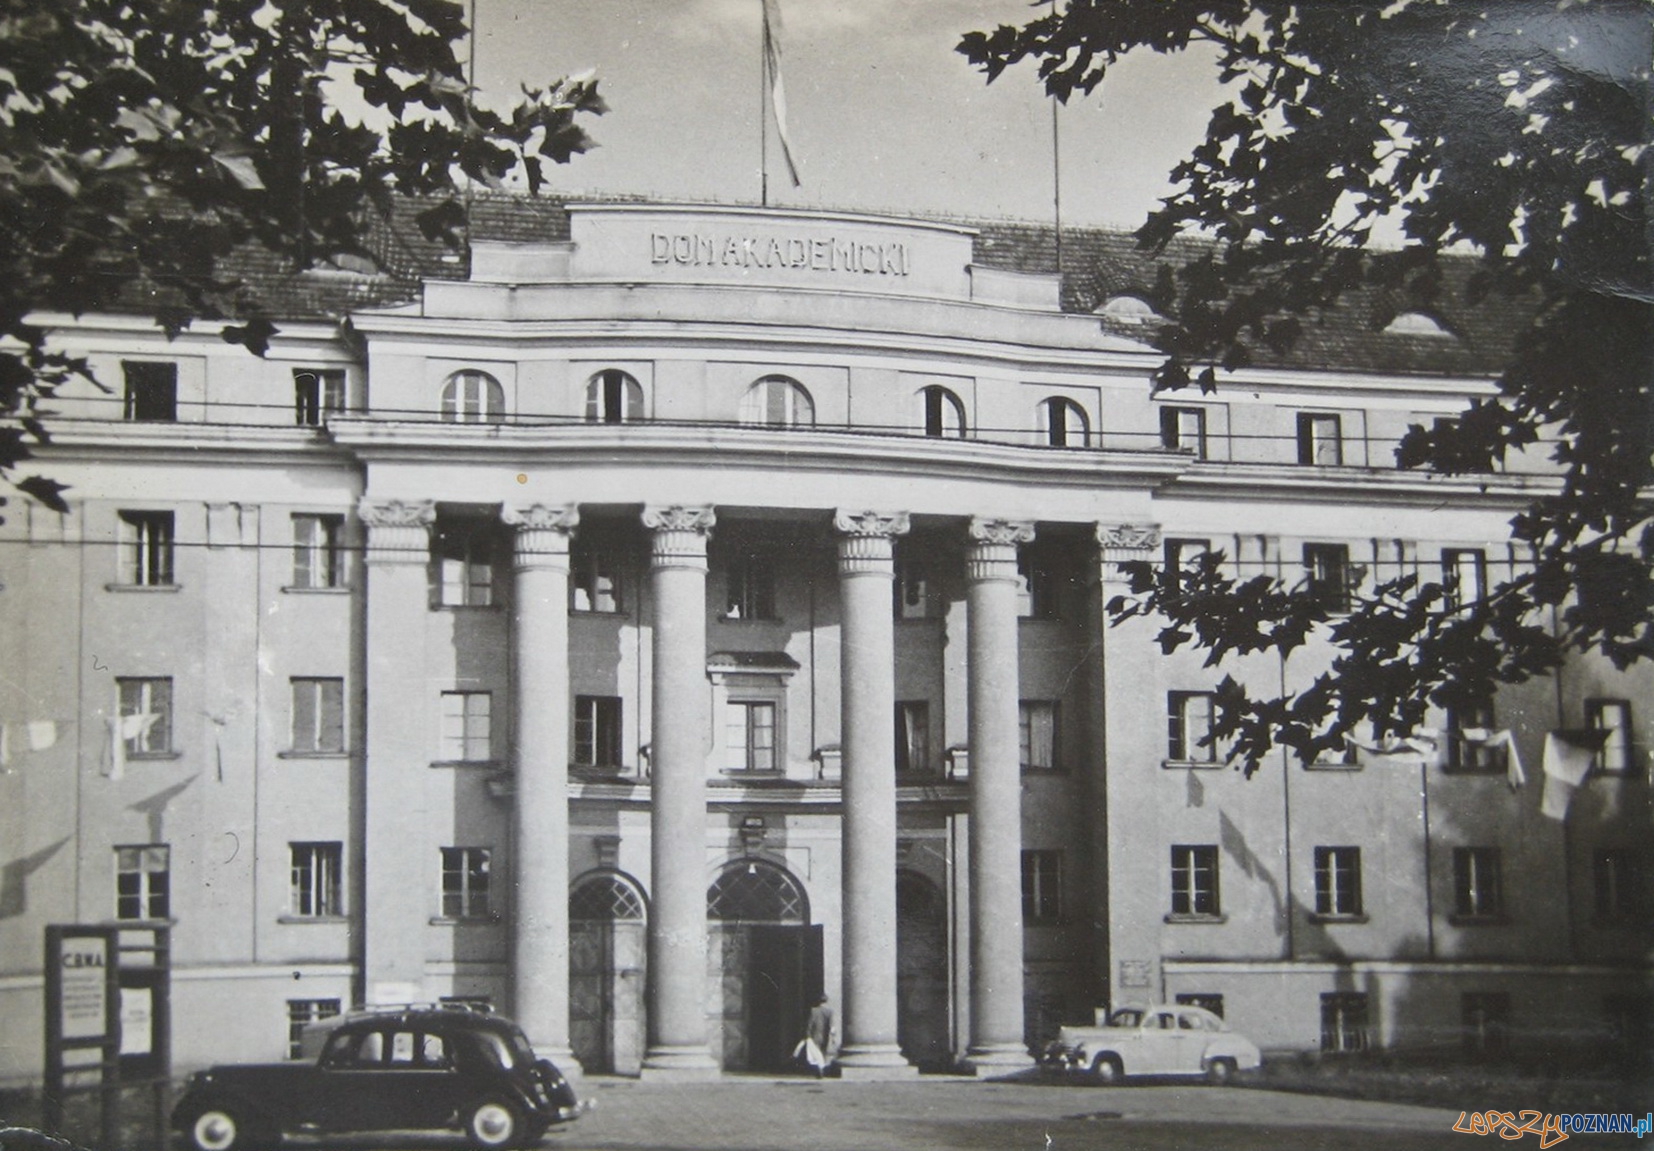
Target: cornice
1287	483
189	443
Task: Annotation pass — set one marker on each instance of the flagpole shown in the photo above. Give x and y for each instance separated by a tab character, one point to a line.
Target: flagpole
763	114
1056	168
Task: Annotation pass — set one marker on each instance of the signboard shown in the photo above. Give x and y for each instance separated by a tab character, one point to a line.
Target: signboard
83	962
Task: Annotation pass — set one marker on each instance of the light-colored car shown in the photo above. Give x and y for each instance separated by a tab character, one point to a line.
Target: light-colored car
1155	1040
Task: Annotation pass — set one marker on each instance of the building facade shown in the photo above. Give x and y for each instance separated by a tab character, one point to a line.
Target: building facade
673	613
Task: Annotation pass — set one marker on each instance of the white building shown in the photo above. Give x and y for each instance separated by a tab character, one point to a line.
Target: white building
680	610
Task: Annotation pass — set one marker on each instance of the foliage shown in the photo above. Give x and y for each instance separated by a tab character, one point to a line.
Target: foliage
1513	135
142	144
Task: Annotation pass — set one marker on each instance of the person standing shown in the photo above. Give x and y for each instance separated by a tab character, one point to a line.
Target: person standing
819	1047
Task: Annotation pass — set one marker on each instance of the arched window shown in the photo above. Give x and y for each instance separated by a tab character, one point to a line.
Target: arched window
1065	423
1418	324
1128	310
613	397
756	892
472	397
605	898
944	414
780	401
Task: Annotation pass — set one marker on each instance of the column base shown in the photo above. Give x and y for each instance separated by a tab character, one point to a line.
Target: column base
875	1061
994	1059
679	1065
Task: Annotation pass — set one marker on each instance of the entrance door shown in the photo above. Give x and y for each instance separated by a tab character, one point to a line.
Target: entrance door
606	961
765	962
921	971
784	973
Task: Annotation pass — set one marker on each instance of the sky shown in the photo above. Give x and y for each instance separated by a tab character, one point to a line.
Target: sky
883	114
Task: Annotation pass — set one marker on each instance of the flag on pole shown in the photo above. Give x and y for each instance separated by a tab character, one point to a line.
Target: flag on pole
778	94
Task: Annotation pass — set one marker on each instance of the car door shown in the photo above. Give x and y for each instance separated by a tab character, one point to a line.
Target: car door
346	1080
1156	1040
1188	1052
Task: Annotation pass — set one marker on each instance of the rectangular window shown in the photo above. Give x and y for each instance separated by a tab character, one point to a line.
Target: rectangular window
151	391
1189	717
749	735
1464	577
751	589
1036	590
301	1013
1207	999
315	870
912	588
1468	730
594	584
465	882
1338	881
912	735
1183	429
1614	717
318	714
462	559
597	731
1183	559
1327	575
318	550
146	548
1320	442
1039	734
1041	887
1344	1021
317	394
1486	1020
146	716
467	731
1477	886
143	882
1195	880
1614	885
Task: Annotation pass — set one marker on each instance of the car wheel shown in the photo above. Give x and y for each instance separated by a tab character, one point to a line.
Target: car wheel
493	1124
1106	1069
1220	1071
219	1129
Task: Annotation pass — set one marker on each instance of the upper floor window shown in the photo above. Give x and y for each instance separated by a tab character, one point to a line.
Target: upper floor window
1189	716
1320	440
1328	576
465	882
749	735
1464	577
1338	881
318	550
1183	430
462	560
1036	589
1066	425
597	731
143	882
912	588
151	390
1195	880
318	714
146	548
594	582
751	588
317	394
466	734
1478	888
944	414
145	716
1039	733
1182	558
472	397
315	887
1612	716
778	401
912	735
1041	887
1468	732
613	397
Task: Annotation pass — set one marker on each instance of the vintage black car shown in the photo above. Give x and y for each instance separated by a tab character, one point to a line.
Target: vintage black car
398	1069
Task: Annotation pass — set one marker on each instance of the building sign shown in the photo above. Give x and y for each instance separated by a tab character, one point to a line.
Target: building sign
1136	973
83	966
808	253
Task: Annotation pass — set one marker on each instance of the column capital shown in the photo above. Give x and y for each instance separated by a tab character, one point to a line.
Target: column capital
541	532
680	533
399	531
992	554
1121	543
867	541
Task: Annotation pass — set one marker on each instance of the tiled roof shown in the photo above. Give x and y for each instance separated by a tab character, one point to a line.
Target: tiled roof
1097	265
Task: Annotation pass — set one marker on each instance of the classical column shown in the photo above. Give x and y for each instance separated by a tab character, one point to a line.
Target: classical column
996	1044
540	826
677	812
394	910
867	675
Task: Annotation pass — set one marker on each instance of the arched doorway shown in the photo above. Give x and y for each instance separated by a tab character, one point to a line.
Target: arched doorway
765	963
606	964
922	971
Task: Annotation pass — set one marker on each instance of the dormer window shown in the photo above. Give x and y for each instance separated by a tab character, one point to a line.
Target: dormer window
1418	324
1128	310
